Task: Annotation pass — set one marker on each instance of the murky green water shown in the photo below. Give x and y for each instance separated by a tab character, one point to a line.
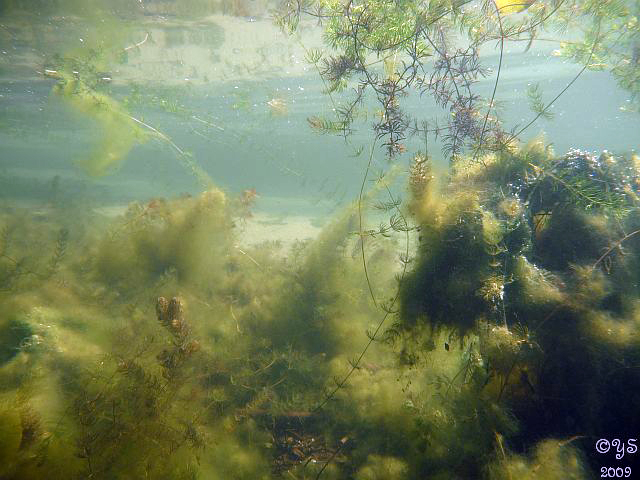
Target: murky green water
201	276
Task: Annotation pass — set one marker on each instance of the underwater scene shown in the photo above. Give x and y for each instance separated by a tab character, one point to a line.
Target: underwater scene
319	239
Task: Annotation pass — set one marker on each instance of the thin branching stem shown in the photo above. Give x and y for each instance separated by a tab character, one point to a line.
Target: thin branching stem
584	67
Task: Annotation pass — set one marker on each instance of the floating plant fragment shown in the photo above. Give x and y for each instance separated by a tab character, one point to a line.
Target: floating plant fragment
278	107
118	132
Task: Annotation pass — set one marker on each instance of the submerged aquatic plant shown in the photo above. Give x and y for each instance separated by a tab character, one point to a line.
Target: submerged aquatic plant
606	183
414	43
507	331
171	315
118	131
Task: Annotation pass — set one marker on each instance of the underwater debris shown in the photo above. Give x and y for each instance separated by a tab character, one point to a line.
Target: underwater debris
293	448
278	107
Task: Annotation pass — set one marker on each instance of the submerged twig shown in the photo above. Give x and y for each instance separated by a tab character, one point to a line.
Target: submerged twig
131	47
248	256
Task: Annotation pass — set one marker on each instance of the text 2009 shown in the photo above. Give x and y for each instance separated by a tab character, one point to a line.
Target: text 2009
617	472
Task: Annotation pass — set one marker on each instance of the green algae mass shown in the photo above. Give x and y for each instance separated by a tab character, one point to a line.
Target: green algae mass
490	329
107	377
119	133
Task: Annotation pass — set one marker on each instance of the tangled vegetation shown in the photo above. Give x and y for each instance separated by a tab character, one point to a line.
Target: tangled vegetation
390	49
508	335
486	328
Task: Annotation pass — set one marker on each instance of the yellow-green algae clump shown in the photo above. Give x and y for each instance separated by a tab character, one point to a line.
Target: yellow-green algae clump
118	131
157	345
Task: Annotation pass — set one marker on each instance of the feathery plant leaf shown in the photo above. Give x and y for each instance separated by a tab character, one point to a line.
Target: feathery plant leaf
537	106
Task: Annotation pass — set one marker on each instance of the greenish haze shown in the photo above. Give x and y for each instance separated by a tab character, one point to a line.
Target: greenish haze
488	327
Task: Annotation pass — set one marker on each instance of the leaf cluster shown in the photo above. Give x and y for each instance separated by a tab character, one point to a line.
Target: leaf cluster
580	179
537	105
60	250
